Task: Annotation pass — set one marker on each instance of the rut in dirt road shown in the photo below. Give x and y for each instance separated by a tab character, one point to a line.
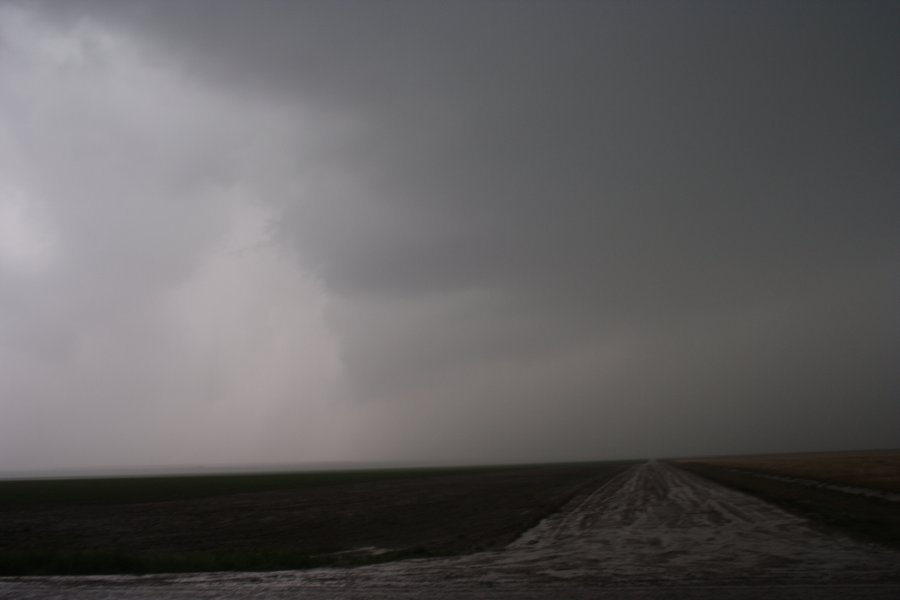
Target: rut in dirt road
650	529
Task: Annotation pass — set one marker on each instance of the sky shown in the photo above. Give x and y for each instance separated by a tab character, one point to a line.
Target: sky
271	232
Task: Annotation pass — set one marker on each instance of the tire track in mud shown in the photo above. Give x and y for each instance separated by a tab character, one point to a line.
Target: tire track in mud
650	529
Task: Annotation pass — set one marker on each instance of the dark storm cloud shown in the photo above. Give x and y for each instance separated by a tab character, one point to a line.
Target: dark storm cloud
569	229
655	147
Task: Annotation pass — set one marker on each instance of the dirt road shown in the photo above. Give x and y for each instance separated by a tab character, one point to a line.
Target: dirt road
654	531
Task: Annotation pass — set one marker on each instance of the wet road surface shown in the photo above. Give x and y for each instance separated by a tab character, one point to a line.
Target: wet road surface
652	532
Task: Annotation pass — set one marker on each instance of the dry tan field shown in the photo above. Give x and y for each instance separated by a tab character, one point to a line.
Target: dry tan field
878	470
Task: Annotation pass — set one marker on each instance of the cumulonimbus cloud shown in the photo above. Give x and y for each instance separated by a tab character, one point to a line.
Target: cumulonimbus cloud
568	230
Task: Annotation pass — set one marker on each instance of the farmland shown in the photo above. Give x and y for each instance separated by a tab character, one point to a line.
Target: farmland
853	493
641	531
280	520
878	470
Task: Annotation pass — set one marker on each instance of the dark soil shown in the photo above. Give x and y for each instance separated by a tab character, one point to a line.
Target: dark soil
437	515
867	519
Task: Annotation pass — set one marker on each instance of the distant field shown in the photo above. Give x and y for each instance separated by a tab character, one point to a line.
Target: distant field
276	521
877	470
77	491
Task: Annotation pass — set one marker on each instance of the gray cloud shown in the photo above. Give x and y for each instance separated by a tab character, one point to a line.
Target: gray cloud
541	229
142	321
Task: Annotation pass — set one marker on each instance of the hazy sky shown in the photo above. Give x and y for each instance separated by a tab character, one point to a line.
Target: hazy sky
238	232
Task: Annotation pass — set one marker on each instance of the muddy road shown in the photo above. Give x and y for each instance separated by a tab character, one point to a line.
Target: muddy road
654	531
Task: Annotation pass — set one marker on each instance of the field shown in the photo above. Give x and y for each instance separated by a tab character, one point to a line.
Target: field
275	521
647	531
854	493
877	470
